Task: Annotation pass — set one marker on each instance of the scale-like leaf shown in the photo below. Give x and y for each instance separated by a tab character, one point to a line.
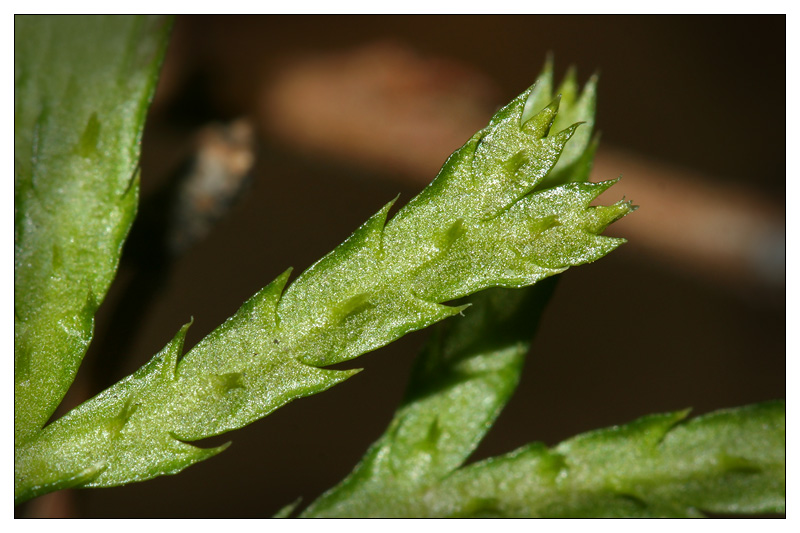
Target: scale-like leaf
82	86
478	225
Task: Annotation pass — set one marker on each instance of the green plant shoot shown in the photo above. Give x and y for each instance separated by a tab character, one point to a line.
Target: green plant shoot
481	223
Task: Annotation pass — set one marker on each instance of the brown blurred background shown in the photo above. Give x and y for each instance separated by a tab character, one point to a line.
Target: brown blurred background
349	111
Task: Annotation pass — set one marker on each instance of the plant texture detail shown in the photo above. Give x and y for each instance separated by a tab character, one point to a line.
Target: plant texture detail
509	209
479	224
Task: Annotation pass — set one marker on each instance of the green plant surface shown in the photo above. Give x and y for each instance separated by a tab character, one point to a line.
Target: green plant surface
479	224
470	366
729	461
577	106
461	381
82	86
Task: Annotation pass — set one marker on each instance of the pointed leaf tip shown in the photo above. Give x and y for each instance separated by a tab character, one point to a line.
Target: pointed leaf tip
539	124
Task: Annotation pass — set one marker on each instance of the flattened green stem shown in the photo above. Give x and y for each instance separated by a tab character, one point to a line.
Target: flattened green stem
82	86
729	461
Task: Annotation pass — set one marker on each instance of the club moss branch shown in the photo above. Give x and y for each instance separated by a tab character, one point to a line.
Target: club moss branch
479	224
